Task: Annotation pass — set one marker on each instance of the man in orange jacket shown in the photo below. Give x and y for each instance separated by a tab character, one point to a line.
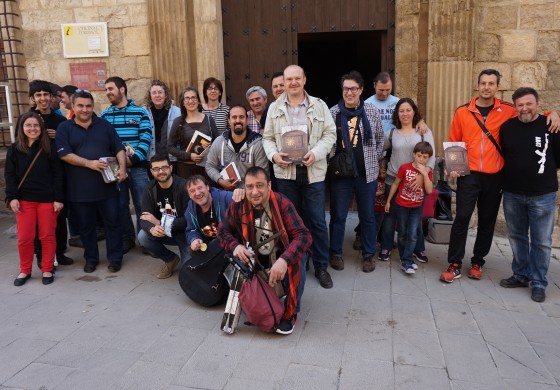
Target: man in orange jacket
483	186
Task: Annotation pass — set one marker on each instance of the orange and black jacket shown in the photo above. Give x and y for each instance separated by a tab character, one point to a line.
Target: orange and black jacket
483	155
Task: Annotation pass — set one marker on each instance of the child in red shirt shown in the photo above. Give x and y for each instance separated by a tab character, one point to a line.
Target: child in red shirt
408	202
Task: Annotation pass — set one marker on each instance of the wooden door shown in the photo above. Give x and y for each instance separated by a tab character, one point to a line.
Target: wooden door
261	36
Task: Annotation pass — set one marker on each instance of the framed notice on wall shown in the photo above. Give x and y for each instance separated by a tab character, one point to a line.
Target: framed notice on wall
81	40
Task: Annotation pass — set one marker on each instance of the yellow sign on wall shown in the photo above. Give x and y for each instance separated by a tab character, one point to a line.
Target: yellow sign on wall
85	40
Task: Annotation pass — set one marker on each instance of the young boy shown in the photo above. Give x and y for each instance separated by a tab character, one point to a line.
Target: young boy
380	199
408	202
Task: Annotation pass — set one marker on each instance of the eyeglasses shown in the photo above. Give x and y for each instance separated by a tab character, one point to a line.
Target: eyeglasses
31	125
190	99
351	89
160	169
212	89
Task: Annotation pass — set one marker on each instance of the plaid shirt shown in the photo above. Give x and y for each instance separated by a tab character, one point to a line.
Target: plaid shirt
252	123
373	150
299	239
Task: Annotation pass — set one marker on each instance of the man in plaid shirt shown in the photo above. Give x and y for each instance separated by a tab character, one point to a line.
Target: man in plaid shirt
262	214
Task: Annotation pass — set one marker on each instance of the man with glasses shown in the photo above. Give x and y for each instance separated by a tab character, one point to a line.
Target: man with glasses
163	222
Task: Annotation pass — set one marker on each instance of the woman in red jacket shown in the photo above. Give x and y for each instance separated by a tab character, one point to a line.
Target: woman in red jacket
34	192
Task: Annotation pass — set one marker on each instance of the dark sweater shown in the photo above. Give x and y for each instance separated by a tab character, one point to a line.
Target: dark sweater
525	171
45	181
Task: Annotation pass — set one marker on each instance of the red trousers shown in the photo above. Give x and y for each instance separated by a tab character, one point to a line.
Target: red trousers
31	215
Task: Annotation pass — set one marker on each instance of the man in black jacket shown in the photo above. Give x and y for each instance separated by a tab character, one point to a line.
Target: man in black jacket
163	215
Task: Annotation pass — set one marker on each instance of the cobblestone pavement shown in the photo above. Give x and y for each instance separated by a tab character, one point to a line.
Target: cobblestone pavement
383	330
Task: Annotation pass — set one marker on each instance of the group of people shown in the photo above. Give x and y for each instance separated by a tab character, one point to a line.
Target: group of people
247	184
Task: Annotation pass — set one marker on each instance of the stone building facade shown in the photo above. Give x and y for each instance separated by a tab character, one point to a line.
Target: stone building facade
441	45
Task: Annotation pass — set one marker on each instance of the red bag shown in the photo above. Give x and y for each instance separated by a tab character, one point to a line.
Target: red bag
430	204
261	304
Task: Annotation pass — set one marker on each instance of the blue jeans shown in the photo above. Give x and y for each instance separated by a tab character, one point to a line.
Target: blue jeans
310	197
302	277
341	193
532	215
156	245
388	229
408	220
85	214
136	182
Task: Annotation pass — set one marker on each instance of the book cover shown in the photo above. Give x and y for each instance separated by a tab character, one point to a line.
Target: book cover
200	144
230	172
456	158
109	173
295	143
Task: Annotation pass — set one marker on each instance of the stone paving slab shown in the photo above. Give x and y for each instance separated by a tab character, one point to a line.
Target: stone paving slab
383	330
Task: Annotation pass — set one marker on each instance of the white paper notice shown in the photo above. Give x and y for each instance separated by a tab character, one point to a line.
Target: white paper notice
94	43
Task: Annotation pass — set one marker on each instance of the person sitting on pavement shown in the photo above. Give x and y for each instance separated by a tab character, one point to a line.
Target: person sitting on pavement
164	203
237	145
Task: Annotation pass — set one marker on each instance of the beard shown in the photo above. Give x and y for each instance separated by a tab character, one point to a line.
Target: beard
238	129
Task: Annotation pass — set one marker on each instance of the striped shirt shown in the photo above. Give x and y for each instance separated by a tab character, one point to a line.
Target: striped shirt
220	116
133	127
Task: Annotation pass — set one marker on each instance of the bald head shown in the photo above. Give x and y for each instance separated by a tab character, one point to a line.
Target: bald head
294	81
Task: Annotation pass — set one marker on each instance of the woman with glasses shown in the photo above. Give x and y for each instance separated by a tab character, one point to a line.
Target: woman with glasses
34	192
190	162
212	93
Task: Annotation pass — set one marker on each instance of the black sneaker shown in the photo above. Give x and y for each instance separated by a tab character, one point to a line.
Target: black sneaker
421	256
384	255
538	294
512	282
324	278
286	326
63	259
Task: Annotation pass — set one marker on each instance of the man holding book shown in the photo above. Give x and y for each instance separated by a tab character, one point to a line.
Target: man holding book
81	142
235	151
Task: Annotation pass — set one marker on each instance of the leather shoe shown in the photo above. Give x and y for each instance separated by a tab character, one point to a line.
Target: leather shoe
89	268
63	259
21	281
324	278
336	262
114	267
48	279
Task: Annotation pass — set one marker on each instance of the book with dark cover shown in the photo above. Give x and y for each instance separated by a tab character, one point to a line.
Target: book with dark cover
456	158
231	173
295	144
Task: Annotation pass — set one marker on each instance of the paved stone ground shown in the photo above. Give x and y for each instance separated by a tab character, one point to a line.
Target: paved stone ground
383	330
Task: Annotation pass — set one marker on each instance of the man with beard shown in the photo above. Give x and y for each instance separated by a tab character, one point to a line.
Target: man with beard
135	131
531	161
164	199
237	145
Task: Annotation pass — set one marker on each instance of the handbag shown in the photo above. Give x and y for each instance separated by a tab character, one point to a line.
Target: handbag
340	165
261	304
24	176
202	276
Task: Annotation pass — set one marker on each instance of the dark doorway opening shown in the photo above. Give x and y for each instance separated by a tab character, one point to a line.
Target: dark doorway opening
325	57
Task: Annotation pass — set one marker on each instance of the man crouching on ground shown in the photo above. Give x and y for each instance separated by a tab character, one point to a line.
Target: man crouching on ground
260	215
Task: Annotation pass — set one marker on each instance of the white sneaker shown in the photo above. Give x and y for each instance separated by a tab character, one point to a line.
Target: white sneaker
407	270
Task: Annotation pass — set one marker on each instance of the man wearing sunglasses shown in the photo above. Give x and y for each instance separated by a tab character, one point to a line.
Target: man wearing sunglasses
163	222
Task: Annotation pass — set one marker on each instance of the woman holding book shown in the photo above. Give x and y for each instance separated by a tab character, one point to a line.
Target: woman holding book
401	140
34	192
191	135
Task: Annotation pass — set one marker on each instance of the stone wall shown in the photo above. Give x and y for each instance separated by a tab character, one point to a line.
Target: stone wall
129	41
